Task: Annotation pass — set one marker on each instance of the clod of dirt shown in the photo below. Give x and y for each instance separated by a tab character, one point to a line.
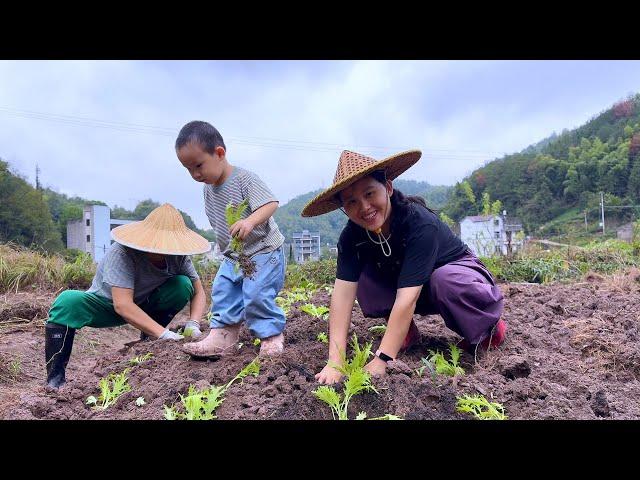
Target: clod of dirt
514	367
600	405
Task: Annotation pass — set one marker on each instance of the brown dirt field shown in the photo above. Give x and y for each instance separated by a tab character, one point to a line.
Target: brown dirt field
572	352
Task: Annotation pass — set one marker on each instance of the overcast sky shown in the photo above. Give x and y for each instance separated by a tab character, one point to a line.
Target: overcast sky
105	130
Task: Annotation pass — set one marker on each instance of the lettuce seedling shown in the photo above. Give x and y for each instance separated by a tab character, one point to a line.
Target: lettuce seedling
200	405
479	406
243	262
357	380
378	329
322	337
388	416
441	365
311	309
111	387
256	341
141	358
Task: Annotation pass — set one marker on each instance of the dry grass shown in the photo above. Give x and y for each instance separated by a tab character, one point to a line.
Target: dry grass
21	268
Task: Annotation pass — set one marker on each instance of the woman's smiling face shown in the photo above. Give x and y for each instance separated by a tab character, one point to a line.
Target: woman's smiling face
366	203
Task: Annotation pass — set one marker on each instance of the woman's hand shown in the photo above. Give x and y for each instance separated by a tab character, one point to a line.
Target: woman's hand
376	367
328	375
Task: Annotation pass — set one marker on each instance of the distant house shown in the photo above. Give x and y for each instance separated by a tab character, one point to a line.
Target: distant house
92	233
306	246
488	235
214	255
625	232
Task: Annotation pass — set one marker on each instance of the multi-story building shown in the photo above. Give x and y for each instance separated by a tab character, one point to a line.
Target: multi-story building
306	246
92	233
488	235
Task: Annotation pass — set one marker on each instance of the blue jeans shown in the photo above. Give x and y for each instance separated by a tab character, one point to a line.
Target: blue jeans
236	299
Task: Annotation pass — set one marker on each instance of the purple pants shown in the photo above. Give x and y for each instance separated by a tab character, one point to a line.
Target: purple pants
463	292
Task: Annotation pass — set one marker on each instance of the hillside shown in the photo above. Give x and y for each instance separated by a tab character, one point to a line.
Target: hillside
564	172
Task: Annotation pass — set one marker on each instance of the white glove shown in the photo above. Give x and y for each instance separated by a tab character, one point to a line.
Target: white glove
192	329
169	335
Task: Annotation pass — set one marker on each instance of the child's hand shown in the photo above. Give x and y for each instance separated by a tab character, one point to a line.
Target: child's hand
241	228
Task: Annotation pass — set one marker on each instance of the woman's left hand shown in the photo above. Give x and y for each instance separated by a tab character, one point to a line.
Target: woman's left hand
376	367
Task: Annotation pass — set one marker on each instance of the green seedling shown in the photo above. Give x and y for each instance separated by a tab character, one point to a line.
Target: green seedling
233	214
316	312
441	365
480	407
388	416
256	342
322	337
111	387
357	380
140	401
141	358
378	329
201	405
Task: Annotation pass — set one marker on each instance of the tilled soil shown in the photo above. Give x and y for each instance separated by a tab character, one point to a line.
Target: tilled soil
572	352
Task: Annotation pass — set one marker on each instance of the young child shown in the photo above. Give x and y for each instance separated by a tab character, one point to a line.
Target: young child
236	298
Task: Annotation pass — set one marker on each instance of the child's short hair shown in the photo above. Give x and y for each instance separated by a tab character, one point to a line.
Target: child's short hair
202	133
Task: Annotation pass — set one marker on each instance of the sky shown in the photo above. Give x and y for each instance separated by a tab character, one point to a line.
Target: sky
105	130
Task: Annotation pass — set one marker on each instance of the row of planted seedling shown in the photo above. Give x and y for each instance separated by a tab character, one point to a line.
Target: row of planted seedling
201	404
195	405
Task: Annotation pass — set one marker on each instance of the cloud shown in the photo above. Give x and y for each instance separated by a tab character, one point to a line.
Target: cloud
285	120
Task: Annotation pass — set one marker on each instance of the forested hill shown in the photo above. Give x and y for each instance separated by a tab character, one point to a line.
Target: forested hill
562	172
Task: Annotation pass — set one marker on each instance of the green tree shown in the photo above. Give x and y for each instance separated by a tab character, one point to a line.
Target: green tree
24	215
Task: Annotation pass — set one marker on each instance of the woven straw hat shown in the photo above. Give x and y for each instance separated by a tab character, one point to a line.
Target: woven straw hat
163	231
351	168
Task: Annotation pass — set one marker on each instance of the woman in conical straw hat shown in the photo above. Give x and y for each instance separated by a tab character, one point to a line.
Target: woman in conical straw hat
144	279
398	258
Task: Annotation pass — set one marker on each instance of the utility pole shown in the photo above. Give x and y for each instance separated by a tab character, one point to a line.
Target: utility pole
585	221
602	210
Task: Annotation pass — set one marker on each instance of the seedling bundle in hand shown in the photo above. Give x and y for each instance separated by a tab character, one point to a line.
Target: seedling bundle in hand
233	214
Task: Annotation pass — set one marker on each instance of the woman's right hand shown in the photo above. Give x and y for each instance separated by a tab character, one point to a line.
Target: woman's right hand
328	375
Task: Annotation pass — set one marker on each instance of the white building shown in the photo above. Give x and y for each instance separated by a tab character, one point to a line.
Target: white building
306	246
488	235
92	234
214	255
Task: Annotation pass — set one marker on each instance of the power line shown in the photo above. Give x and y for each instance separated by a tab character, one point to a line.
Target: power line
300	145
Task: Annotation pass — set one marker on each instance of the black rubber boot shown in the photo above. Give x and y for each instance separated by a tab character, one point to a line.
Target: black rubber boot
57	350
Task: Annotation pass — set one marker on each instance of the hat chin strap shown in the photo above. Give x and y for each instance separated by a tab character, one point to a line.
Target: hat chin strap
382	239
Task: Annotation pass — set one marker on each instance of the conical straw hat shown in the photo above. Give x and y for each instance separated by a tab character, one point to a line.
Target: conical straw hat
352	167
163	231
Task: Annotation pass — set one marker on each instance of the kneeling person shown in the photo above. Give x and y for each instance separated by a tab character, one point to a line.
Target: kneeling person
144	279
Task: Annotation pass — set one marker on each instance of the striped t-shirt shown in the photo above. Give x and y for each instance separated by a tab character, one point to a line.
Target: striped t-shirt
129	268
242	184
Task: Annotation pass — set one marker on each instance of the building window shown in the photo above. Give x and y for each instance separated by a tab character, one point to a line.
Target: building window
496	222
88	238
497	235
88	222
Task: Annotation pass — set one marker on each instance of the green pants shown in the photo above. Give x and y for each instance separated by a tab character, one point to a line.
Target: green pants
77	309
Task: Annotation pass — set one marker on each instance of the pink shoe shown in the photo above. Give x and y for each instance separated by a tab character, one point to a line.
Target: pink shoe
272	346
494	340
413	337
220	341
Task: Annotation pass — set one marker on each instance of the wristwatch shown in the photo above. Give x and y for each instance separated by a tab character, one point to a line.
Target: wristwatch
383	356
